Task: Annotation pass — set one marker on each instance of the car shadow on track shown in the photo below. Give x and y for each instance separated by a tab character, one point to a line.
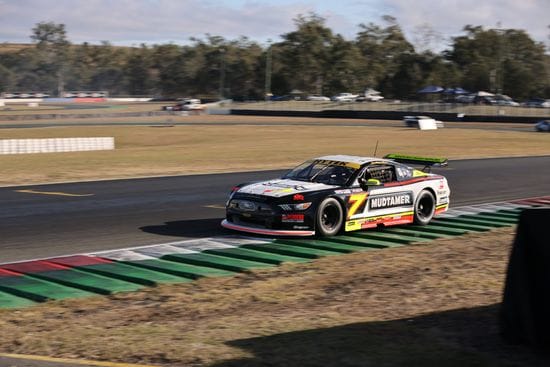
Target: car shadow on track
189	228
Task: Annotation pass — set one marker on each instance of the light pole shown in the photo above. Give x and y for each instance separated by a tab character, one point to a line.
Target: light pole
222	72
268	72
499	79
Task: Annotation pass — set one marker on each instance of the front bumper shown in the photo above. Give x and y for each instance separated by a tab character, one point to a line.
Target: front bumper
266	231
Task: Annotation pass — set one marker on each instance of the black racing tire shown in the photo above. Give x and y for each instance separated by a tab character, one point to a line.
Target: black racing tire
329	217
424	208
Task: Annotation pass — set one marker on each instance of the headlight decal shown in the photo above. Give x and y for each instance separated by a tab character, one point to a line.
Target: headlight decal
290	207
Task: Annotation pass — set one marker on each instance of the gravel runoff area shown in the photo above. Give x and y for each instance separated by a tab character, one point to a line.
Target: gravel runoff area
430	304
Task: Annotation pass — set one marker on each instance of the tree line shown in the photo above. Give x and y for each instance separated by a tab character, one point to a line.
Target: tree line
311	58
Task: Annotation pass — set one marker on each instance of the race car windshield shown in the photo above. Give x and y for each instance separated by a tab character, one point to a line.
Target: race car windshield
330	173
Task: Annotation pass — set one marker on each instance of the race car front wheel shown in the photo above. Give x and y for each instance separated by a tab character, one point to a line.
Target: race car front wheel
424	208
330	217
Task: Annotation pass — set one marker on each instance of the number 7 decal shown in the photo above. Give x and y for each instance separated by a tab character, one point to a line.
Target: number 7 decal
356	203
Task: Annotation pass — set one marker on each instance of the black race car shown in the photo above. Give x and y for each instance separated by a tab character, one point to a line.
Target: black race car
330	194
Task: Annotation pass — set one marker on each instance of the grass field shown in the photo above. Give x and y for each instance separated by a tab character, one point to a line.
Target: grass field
162	149
73	109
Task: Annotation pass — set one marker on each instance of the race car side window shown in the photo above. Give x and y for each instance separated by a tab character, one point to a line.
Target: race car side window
403	172
383	172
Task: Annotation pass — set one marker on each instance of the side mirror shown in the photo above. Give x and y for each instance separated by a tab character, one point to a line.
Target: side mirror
371	182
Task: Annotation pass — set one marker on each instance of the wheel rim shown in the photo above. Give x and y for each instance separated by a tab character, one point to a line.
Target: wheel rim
330	217
425	207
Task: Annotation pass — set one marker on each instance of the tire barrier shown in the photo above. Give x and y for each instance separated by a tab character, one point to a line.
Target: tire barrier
102	273
525	311
55	145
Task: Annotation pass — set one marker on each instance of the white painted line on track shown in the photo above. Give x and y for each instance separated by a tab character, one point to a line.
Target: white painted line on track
215	206
161	250
55	193
125	255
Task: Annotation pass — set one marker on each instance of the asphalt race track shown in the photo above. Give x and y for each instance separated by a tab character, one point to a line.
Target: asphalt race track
52	220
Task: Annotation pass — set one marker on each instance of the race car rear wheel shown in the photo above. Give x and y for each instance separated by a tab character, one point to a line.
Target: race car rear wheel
330	217
424	208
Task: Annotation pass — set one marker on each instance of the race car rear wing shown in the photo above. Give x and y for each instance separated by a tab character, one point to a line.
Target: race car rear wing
427	162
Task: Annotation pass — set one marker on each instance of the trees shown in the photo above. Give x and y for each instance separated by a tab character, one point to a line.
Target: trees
310	58
305	54
500	60
52	47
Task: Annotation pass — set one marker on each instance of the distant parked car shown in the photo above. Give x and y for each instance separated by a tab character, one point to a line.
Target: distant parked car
369	98
345	97
505	102
98	94
538	103
465	98
370	95
316	97
490	100
185	105
543	126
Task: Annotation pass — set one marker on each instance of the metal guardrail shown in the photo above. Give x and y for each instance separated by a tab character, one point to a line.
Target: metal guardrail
401	106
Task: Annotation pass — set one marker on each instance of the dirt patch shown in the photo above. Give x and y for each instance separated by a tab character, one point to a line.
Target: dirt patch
429	304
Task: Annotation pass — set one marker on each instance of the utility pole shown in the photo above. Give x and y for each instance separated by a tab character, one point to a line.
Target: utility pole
222	72
268	71
501	45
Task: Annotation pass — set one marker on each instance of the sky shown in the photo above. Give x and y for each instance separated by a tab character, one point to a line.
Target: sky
132	22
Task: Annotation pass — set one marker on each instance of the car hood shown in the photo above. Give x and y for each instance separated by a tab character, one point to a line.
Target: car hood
283	187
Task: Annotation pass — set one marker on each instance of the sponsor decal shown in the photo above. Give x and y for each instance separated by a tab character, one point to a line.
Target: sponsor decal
338	163
278	190
391	200
352	225
342	192
356	204
292	218
298	197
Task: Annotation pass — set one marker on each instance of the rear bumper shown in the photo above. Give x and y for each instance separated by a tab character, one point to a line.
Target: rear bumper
266	231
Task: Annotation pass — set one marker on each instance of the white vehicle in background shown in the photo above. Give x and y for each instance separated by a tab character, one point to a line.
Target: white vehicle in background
316	97
373	97
370	95
345	97
187	104
420	121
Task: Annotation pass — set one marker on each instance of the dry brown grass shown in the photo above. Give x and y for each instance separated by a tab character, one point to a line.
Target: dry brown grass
152	151
430	304
6	48
13	107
